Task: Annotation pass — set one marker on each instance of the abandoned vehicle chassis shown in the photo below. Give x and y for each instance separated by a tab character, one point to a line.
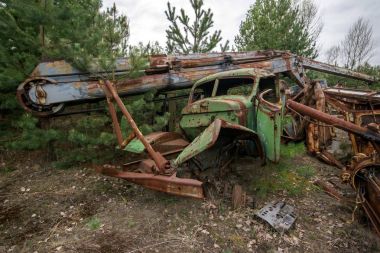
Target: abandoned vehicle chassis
56	85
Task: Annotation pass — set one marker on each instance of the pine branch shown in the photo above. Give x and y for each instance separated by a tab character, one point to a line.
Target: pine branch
194	37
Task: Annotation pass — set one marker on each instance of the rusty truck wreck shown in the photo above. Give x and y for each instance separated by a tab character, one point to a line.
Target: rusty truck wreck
236	104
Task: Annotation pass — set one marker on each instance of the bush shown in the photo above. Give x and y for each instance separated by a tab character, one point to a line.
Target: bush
89	140
81	139
31	137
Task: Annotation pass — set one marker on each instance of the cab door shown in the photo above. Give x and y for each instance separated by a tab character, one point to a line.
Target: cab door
268	122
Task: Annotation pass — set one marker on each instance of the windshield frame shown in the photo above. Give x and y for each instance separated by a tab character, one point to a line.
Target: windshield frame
216	85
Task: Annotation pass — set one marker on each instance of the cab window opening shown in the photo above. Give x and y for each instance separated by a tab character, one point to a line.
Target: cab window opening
202	91
268	83
235	86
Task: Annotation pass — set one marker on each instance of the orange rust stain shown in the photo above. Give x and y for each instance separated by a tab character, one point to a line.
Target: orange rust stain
92	86
63	66
35	73
257	65
77	85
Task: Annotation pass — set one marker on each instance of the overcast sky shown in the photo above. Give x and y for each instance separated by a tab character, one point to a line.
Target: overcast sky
148	21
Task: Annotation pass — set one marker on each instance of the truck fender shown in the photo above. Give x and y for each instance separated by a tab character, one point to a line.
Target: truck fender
211	134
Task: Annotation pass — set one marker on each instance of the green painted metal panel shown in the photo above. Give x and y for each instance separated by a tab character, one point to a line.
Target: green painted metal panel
200	114
208	138
135	146
269	129
199	144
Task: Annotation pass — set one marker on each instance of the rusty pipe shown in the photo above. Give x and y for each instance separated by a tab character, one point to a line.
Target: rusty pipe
159	160
334	121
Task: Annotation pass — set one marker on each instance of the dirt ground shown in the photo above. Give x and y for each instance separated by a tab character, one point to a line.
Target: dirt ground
43	209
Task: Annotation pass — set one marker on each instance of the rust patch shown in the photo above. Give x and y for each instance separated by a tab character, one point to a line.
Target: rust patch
77	85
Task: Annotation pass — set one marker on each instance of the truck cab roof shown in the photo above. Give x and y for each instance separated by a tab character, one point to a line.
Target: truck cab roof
235	73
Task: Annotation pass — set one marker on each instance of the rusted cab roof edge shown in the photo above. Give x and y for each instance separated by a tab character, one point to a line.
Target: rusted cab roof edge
235	72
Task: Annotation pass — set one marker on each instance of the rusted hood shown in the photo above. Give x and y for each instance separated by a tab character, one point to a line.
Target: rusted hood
230	103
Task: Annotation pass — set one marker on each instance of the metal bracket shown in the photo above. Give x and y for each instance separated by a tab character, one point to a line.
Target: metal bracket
279	215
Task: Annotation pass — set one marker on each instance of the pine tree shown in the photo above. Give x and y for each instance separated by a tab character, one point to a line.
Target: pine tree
77	31
86	37
33	31
146	113
279	24
19	47
186	37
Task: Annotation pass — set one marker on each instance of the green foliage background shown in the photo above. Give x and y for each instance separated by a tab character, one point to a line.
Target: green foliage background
79	32
276	24
185	36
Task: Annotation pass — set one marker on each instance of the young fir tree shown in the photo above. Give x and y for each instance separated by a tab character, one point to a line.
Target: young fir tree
184	36
90	39
77	31
148	114
80	33
19	49
278	24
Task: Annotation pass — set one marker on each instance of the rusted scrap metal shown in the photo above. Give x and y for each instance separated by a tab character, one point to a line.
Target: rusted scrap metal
369	195
54	85
363	171
353	95
361	112
356	106
156	172
334	70
364	175
328	189
329	158
279	215
217	137
170	184
364	132
162	164
359	107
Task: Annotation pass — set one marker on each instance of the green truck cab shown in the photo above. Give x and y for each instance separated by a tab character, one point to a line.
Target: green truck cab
231	103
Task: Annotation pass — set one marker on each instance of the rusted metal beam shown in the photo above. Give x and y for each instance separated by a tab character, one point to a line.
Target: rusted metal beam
161	163
169	184
329	158
334	121
334	70
358	95
115	122
53	85
328	189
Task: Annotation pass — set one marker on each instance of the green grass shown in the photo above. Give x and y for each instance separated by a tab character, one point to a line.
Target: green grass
93	223
289	175
291	150
305	171
6	169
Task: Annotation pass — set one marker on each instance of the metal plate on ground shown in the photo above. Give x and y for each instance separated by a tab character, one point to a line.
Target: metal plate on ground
278	214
